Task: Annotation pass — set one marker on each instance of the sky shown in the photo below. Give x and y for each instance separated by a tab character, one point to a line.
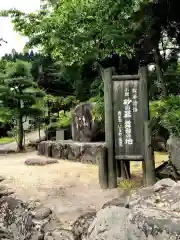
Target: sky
15	41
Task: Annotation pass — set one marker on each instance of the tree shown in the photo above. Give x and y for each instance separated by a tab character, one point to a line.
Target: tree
18	94
153	29
74	31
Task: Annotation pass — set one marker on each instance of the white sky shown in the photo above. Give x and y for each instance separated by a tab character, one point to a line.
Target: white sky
15	41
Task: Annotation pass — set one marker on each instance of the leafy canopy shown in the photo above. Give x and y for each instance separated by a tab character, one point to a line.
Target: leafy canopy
74	30
18	92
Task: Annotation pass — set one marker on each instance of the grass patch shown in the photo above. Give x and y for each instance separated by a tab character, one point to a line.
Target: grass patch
127	184
5	140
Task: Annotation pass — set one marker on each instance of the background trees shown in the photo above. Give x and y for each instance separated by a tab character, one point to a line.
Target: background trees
76	37
18	94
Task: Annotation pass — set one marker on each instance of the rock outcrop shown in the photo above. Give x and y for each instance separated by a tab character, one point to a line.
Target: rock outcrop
25	220
148	213
151	213
75	151
84	127
173	145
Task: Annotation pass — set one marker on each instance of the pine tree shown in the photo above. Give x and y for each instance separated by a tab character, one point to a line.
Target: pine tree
19	94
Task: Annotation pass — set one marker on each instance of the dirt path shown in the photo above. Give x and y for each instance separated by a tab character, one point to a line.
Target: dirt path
32	136
68	188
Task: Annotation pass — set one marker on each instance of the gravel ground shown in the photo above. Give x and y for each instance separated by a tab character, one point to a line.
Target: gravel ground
68	188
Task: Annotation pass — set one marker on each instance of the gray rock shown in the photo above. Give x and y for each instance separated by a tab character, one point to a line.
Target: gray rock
120	202
61	234
173	144
81	225
42	213
17	221
48	238
84	152
110	223
166	170
2	188
2	178
167	182
6	192
40	161
84	127
52	224
153	214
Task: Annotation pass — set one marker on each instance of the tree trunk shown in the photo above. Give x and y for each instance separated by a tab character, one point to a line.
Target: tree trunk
20	134
160	72
39	130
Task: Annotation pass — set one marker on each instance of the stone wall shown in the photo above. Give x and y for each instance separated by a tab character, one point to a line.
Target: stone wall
71	150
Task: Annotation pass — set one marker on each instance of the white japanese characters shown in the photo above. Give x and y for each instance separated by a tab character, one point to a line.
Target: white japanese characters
130	106
127	118
120	138
135	99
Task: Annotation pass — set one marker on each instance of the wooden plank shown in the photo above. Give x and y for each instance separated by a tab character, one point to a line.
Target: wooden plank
125	77
109	127
103	169
125	170
150	172
148	165
129	157
118	167
128	120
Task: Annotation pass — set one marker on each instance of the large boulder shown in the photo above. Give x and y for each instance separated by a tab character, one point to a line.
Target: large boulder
151	213
25	221
173	144
84	127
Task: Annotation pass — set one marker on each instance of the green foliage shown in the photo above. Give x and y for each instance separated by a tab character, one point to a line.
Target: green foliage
6	140
55	104
98	109
166	113
64	119
127	184
18	96
77	30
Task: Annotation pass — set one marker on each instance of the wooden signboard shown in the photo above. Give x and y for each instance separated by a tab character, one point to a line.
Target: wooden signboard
128	118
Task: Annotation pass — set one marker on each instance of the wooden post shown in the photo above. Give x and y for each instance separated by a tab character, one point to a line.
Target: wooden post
103	168
149	156
148	165
125	170
118	167
109	128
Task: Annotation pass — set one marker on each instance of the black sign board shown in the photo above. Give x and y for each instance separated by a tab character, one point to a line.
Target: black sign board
128	118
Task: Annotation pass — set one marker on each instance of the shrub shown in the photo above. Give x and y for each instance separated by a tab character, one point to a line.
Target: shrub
127	184
166	113
98	110
64	120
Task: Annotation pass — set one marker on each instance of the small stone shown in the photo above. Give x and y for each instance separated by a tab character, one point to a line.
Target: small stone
40	161
6	193
120	202
63	234
42	213
48	238
2	178
2	188
81	225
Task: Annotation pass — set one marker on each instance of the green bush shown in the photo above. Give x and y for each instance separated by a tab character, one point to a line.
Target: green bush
98	110
166	113
64	119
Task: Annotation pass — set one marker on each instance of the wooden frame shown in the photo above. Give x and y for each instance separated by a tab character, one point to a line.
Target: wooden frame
118	163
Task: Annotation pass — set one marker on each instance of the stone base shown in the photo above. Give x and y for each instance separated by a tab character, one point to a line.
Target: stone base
71	150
